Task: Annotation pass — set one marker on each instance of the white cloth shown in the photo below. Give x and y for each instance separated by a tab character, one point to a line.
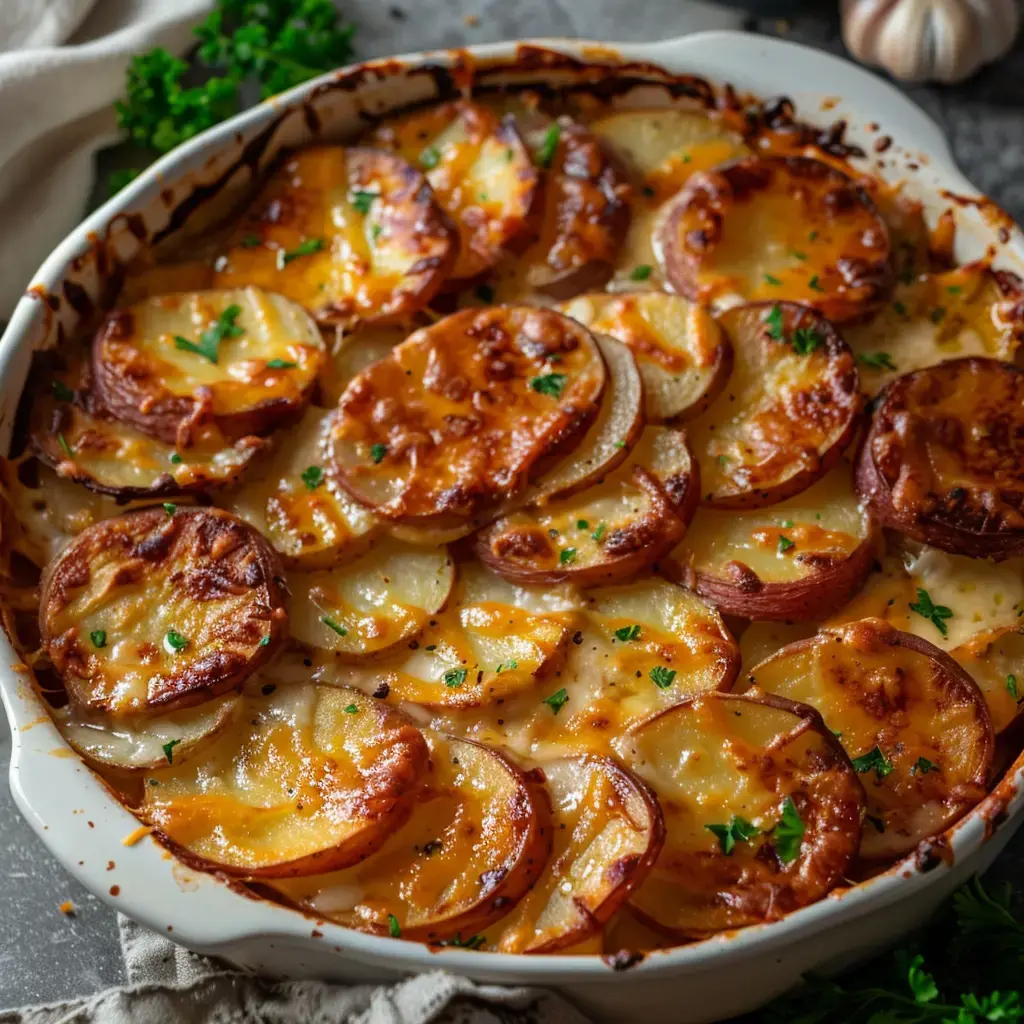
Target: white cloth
62	65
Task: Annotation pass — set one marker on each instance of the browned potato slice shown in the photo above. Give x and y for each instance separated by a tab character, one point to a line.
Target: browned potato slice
767	228
456	419
684	357
613	530
913	721
160	609
110	457
478	839
800	559
944	460
479	170
482	650
244	360
296	501
762	812
314	778
137	742
351	234
790	408
373	604
607	833
995	661
970	311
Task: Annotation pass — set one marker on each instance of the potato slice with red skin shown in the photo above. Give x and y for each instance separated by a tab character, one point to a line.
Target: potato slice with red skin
259	363
315	779
480	172
608	831
790	408
914	722
615	529
683	355
995	661
943	461
458	417
769	772
765	228
160	609
800	559
478	839
352	234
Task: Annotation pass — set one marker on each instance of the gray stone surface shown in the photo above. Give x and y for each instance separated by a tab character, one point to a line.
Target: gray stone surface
45	955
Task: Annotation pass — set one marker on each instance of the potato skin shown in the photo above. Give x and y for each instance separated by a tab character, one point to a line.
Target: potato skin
943	461
214	555
854	272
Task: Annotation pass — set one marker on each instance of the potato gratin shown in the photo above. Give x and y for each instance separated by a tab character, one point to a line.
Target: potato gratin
538	530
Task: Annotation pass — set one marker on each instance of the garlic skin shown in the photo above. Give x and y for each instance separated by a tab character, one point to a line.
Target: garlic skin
930	40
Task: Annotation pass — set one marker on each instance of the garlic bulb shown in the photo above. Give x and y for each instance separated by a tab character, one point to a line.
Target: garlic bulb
936	40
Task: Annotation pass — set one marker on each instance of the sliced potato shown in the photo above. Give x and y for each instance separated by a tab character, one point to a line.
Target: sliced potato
611	531
296	501
683	356
607	832
944	459
137	742
970	311
110	457
161	608
483	649
456	419
770	228
352	234
479	170
373	604
244	360
790	408
314	779
762	812
995	661
353	353
913	721
478	839
800	559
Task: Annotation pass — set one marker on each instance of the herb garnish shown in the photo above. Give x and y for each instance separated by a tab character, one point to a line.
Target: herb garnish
174	641
774	322
662	676
175	459
63	442
876	360
209	341
168	749
61	391
739	830
377	453
485	293
473	942
430	157
550	384
805	340
874	759
772	280
280	364
1011	687
599	532
923	766
362	201
251	241
98	637
557	700
785	544
394	928
306	248
352	709
170	508
814	285
789	833
566	556
454	677
546	153
312	477
336	626
641	272
935	613
627	633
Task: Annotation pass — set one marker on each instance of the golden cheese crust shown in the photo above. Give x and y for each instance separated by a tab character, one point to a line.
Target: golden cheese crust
244	360
458	417
787	412
160	608
788	228
944	459
352	234
480	172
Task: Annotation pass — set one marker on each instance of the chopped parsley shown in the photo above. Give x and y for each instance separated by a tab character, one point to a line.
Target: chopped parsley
251	241
352	709
473	942
170	508
222	328
900	308
63	442
557	700
336	626
814	284
61	391
454	677
98	637
641	273
662	676
772	280
485	293
546	153
509	665
774	322
739	830
306	248
175	459
937	315
954	289
375	232
312	477
627	633
377	453
168	749
935	613
566	556
785	544
264	641
394	928
797	254
582	524
1011	687
812	236
280	364
876	360
599	532
174	641
362	201
874	759
550	384
923	766
805	340
430	157
789	833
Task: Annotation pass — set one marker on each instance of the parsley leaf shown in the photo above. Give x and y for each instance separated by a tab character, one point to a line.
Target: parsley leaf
336	626
627	633
485	293
61	391
63	442
175	459
805	340
170	508
789	833
557	700
550	384
98	637
394	928
772	280
473	942
306	248
599	532
641	273
430	158
662	676
280	364
774	322
312	477
874	759
351	709
923	766
739	830
935	613
1011	687
168	749
454	677
174	641
546	153
876	360
362	201
814	285
785	544
222	328
377	453
264	641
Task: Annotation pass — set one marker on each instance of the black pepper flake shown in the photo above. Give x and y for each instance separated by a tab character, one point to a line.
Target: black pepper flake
382	691
577	637
268	689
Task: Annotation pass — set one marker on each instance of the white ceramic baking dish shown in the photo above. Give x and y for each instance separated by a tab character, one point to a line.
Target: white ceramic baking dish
84	826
